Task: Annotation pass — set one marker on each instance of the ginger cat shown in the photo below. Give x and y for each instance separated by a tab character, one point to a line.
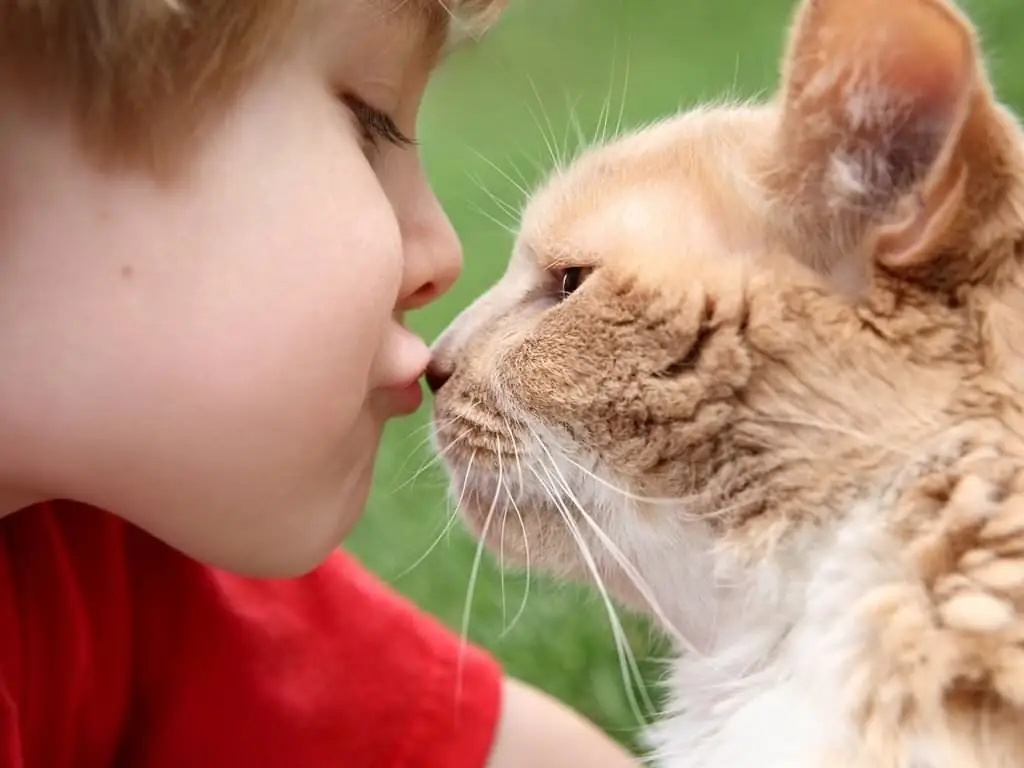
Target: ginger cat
759	370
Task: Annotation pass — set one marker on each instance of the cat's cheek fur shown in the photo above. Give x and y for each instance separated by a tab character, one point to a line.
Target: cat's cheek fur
637	377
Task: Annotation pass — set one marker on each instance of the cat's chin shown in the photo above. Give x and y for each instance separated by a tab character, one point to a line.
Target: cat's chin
522	529
509	527
498	526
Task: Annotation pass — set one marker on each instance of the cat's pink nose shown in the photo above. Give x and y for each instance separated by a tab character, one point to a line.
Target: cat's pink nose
437	375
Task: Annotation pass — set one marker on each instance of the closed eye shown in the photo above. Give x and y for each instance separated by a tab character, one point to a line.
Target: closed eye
376	126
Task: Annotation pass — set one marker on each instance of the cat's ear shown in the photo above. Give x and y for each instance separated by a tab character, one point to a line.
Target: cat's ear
875	98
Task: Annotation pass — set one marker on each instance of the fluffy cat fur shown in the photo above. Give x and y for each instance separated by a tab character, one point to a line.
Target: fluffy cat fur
759	370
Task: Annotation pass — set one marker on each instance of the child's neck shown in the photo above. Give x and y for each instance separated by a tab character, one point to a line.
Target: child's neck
12	500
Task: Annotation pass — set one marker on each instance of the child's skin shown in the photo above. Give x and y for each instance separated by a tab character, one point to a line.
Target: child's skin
214	361
213	358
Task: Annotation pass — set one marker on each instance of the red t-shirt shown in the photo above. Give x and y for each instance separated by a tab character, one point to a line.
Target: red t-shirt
117	650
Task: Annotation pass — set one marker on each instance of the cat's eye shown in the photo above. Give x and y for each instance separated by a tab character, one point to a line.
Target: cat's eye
572	279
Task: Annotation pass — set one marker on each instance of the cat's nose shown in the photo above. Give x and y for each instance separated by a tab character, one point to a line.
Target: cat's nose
437	375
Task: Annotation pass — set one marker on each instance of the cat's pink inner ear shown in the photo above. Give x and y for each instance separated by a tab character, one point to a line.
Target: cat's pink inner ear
875	95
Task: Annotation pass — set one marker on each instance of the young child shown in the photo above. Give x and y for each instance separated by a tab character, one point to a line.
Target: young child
212	221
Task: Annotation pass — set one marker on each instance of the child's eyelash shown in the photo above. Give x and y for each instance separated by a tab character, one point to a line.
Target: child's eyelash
375	125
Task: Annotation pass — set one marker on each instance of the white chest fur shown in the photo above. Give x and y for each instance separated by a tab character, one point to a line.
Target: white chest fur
770	687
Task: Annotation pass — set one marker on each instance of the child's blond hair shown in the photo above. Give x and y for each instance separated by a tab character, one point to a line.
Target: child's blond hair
144	76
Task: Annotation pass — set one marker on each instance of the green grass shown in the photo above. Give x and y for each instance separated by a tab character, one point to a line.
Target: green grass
484	124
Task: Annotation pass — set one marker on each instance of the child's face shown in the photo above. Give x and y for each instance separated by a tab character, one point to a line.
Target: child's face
215	361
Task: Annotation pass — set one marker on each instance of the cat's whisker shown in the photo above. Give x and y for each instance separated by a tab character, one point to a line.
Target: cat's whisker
506	207
526	546
622	101
522	524
570	152
538	167
837	398
556	159
632	573
620	558
471	587
501	544
508	228
428	427
825	426
667	500
515	451
582	143
505	175
601	129
717	513
628	568
418	447
679	504
452	518
627	659
431	461
524	182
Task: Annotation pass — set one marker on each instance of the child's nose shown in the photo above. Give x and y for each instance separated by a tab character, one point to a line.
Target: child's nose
433	261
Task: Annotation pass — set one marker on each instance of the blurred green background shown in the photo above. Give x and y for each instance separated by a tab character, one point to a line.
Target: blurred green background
491	119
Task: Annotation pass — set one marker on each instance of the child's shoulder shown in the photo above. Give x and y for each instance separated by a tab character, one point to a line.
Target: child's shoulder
105	632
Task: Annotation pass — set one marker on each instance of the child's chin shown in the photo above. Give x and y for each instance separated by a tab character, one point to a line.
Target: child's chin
298	548
288	562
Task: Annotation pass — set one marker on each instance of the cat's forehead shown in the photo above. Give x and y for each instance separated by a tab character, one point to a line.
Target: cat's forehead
688	181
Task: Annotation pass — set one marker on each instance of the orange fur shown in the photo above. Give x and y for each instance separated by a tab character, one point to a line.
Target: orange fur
800	326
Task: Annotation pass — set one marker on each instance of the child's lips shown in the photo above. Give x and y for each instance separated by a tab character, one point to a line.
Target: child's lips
407	358
405	399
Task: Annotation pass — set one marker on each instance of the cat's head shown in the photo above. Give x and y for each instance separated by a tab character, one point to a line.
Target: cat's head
738	321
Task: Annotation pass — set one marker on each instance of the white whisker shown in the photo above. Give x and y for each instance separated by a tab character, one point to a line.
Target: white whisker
506	207
679	504
606	107
519	187
825	426
471	587
452	518
556	158
622	101
522	525
668	500
630	570
510	229
430	462
582	143
501	541
627	660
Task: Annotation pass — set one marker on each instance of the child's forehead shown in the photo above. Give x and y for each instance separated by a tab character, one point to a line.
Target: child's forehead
424	13
391	24
428	18
439	24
